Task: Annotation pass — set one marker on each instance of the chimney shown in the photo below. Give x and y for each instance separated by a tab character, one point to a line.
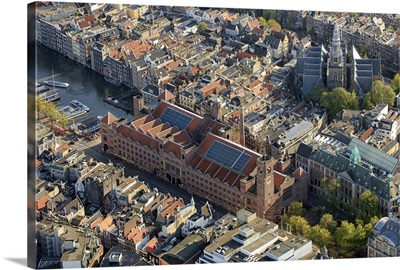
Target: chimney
241	127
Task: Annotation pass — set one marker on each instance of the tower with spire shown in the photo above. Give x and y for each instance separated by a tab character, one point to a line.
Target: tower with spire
336	75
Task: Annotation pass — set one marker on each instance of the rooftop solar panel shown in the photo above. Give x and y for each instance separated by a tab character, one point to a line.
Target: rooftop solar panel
228	156
175	118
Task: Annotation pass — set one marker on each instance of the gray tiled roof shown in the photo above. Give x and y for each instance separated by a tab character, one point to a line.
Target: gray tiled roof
374	156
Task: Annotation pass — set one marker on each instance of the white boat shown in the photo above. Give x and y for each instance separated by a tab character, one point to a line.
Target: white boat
72	112
77	104
50	95
56	84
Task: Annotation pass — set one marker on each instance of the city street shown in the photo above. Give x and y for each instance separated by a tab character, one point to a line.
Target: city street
93	149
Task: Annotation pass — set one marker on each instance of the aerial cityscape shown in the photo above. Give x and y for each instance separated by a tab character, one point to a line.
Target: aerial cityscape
173	135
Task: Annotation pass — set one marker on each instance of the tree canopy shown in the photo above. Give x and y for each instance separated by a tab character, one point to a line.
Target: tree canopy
320	236
368	206
331	189
274	25
298	225
382	94
49	109
315	95
201	27
367	102
328	222
296	209
338	100
396	83
350	238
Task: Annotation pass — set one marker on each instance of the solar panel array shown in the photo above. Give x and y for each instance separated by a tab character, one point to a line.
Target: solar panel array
176	118
228	156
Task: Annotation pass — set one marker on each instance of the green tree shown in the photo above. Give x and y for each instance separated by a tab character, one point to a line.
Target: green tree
338	100
367	102
370	225
271	15
314	95
274	25
331	190
368	206
296	209
51	111
201	27
40	106
350	239
263	21
396	83
328	222
298	225
320	236
62	119
382	94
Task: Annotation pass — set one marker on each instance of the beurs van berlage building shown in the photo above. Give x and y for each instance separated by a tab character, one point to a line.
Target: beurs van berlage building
197	154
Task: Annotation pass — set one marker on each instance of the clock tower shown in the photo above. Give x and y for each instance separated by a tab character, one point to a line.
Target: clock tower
265	184
336	76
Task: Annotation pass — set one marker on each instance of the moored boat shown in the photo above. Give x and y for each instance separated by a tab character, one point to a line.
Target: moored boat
50	95
72	112
77	104
56	84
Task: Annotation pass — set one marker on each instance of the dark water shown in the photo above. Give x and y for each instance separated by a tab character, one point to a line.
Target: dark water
86	85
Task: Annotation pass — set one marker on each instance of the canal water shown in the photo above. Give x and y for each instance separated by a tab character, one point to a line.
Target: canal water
85	85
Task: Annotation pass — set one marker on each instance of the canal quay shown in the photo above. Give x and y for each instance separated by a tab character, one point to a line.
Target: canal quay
85	85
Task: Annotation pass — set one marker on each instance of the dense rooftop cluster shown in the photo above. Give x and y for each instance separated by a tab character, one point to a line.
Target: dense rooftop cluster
218	112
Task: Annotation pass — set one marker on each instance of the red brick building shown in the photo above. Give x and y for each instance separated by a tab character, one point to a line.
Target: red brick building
198	154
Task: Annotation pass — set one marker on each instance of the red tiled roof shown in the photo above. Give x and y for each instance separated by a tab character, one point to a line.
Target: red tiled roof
299	173
155	130
149	125
174	148
138	234
40	204
108	118
181	137
173	65
211	87
279	178
165	81
129	132
166	95
151	245
241	55
194	161
231	178
254	84
212	169
212	126
366	134
171	207
141	121
203	165
107	224
221	173
171	131
167	202
258	30
194	70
